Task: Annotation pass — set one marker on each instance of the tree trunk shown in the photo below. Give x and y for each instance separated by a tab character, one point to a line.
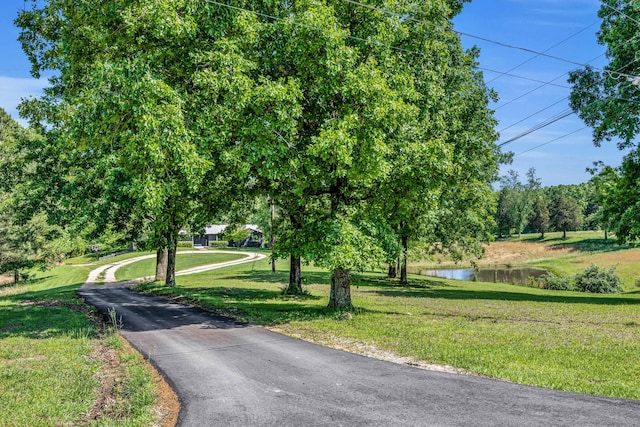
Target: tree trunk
295	277
272	238
340	298
161	264
393	273
564	233
403	266
171	260
16	276
605	235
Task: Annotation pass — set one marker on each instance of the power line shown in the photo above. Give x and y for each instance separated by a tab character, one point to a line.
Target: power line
552	105
360	39
539	126
486	39
621	13
532	115
566	73
525	78
547	122
553	140
547	50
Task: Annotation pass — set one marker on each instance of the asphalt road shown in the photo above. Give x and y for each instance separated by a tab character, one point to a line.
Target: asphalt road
227	373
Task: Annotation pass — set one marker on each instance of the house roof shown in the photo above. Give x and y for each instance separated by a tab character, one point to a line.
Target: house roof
219	228
215	229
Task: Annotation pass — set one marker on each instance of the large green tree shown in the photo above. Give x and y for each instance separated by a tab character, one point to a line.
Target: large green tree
27	238
619	194
141	95
540	219
515	200
608	100
356	104
565	214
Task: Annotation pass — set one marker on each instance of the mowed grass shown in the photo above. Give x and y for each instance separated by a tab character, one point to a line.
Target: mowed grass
147	267
52	362
562	340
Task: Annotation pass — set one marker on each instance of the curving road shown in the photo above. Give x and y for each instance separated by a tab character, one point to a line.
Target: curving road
233	374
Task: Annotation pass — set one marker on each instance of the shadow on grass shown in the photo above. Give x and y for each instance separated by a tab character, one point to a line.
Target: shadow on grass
247	294
282	277
471	294
587	245
252	305
583	245
44	314
383	282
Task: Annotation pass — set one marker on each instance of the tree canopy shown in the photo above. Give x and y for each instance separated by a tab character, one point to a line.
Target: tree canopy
135	107
608	100
363	127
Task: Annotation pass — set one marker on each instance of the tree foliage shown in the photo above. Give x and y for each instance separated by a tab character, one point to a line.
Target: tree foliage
620	198
365	128
27	238
608	100
515	201
135	108
540	218
565	214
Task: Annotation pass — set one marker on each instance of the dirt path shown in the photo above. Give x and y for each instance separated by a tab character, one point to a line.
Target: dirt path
106	274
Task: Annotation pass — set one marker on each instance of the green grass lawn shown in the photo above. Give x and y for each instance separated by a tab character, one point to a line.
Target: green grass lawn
147	267
563	340
50	363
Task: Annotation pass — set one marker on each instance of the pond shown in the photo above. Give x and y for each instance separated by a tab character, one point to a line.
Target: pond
519	276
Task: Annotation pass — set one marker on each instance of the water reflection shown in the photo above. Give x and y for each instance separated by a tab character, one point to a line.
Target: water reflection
518	276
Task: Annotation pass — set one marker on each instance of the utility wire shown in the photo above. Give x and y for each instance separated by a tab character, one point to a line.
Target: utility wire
360	39
547	122
532	115
621	13
558	117
566	73
553	140
486	39
552	105
546	50
544	83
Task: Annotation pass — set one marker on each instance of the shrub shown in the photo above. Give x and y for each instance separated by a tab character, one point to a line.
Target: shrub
185	244
556	283
598	280
218	244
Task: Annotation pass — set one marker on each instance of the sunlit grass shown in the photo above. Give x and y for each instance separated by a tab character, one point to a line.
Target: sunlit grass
563	340
147	267
49	363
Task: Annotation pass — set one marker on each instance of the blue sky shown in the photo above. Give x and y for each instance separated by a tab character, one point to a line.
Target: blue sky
535	25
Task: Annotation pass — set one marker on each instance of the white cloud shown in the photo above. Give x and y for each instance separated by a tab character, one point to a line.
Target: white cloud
13	90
